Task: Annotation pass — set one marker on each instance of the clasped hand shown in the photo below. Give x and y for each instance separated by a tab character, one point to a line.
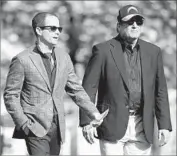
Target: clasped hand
89	131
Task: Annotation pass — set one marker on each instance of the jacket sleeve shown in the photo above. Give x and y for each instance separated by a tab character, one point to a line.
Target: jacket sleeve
12	92
75	90
91	80
162	110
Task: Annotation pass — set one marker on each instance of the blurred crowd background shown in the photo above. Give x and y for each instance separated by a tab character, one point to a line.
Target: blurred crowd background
85	23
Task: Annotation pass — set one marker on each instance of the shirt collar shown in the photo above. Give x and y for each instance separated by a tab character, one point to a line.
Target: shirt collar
126	45
37	50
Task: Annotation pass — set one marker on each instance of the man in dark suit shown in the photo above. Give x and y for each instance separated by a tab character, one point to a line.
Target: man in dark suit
128	75
36	83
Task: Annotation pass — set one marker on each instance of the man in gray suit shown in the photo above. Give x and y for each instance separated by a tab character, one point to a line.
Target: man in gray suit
36	83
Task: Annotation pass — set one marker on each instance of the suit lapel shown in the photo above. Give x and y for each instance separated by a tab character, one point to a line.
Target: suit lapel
37	61
145	61
117	54
58	66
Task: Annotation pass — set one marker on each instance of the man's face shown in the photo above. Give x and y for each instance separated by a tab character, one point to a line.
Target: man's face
131	29
49	31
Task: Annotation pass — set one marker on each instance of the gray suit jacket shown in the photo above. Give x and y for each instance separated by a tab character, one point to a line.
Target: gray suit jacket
28	94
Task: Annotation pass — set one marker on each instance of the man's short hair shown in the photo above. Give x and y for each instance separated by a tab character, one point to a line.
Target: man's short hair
39	19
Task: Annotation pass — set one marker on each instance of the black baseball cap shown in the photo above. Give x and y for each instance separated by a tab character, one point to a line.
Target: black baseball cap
127	12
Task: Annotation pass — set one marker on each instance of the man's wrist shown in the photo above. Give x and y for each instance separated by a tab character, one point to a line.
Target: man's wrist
24	125
87	127
96	115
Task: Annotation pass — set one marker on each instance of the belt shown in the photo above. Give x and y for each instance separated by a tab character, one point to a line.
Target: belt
133	112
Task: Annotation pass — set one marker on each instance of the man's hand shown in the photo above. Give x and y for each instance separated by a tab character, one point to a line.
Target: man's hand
163	136
99	118
89	132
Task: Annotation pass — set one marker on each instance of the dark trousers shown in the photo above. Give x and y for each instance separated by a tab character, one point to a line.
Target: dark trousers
47	145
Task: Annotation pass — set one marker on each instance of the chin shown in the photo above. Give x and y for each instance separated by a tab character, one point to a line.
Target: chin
134	37
131	39
55	43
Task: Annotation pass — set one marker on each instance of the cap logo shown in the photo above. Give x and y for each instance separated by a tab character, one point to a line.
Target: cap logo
131	8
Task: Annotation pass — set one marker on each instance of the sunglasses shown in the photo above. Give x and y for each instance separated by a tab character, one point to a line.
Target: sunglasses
52	28
139	22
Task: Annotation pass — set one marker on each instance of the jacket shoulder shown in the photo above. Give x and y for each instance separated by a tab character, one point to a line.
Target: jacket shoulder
104	44
103	47
61	52
149	45
25	53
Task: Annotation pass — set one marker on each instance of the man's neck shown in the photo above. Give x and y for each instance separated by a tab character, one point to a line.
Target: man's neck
131	43
44	48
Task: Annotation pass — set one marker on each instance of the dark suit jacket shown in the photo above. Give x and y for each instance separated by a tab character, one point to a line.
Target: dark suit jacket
28	94
106	74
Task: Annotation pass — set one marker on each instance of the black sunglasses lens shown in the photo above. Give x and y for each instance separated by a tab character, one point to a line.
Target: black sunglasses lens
130	22
53	28
138	22
60	29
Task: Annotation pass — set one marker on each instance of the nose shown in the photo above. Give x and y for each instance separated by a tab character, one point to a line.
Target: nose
57	31
134	23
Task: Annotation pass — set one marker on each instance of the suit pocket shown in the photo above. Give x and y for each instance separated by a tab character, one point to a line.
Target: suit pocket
26	130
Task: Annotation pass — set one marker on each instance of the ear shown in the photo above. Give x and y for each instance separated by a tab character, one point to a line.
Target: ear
118	27
38	31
